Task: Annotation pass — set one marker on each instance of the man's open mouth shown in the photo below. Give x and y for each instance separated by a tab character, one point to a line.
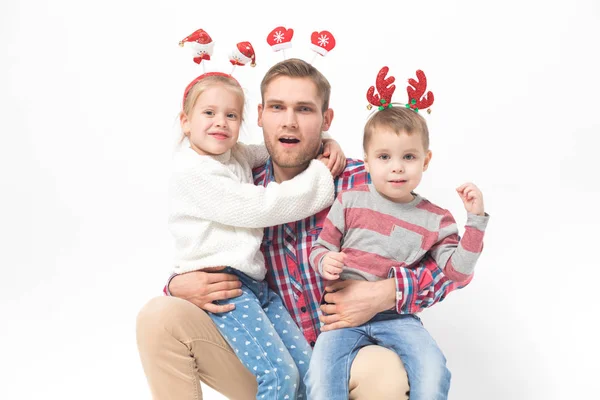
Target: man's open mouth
289	140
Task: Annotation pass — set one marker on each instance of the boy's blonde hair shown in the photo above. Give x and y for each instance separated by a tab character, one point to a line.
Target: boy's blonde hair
398	119
296	68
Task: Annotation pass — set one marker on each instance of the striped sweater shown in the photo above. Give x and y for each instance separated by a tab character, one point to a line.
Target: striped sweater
377	234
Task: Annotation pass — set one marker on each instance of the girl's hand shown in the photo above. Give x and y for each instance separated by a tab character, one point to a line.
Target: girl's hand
472	198
333	156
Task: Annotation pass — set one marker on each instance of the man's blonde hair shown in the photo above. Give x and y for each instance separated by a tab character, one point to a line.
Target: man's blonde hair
296	68
398	119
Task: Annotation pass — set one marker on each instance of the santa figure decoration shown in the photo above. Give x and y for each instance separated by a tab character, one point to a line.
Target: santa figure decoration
242	54
201	45
280	39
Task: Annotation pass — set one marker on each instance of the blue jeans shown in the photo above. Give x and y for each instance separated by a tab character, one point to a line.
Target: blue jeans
329	371
266	340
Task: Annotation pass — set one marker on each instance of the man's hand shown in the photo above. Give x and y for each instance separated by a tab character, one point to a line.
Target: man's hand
333	265
202	288
333	156
353	303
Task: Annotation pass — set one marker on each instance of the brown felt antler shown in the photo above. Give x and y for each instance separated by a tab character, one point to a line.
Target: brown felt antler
384	88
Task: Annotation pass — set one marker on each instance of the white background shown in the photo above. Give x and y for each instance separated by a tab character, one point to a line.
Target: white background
89	94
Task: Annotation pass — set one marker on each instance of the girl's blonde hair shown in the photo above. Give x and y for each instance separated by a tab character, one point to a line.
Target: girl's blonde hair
206	82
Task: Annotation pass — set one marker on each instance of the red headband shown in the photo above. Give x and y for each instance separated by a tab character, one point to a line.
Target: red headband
192	83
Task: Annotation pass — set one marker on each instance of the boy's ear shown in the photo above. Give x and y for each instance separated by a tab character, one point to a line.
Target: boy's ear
427	160
366	164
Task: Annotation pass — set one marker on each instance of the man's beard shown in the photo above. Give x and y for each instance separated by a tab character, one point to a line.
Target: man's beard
293	159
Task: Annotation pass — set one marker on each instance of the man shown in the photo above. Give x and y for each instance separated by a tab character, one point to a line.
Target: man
178	343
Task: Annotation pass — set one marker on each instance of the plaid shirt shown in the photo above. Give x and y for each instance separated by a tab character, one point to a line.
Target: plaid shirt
286	250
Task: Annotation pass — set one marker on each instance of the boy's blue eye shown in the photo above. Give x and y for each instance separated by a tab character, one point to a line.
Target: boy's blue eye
409	157
208	112
384	157
231	115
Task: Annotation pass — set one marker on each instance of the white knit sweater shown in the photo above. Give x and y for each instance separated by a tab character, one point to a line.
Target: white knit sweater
218	214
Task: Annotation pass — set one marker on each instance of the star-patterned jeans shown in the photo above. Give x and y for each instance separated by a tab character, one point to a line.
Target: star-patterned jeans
266	340
428	377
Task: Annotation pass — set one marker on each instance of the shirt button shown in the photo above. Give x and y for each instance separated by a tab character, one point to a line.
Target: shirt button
312	344
303	309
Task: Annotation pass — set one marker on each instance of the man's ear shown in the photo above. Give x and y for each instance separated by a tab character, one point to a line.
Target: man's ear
427	160
327	118
260	110
185	123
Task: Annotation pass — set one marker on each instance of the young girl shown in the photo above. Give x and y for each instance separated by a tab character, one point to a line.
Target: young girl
370	230
217	218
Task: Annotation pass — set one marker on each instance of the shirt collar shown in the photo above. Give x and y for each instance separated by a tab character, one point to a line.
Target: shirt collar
269	177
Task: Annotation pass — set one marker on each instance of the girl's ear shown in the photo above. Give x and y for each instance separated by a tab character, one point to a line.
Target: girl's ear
185	123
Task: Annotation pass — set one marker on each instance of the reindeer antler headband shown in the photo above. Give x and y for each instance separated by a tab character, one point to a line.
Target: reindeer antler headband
417	98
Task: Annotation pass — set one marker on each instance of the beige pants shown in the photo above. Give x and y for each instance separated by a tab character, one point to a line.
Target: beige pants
180	347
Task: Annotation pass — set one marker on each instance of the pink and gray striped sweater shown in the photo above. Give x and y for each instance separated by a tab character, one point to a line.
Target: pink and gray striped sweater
377	234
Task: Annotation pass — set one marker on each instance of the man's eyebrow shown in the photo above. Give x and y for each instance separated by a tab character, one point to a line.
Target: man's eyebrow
298	103
306	103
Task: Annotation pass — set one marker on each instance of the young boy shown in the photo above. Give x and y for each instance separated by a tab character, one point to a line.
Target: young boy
372	228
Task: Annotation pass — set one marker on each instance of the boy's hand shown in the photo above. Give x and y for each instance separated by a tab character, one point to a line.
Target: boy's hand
472	198
333	265
333	156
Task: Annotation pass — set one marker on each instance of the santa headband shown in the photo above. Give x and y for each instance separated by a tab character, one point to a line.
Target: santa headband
321	42
279	39
202	47
417	98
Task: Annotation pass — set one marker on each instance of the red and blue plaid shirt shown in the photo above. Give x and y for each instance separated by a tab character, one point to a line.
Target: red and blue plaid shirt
286	250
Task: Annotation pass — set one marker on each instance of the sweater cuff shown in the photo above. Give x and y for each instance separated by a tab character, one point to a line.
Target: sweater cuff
319	260
406	290
478	222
